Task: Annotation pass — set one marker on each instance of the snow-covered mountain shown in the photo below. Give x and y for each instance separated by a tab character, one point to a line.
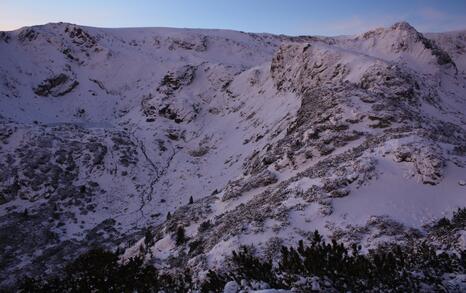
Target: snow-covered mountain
107	134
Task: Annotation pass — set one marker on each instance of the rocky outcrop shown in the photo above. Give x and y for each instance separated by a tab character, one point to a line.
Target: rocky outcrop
196	43
162	103
80	37
427	161
237	187
4	37
56	86
28	34
173	81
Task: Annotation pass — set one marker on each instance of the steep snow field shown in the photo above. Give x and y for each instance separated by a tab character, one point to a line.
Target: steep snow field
107	133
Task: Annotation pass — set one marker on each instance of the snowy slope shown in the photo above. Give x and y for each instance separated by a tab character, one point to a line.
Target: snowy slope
106	131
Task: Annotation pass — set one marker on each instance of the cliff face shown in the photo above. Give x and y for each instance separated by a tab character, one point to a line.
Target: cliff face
105	131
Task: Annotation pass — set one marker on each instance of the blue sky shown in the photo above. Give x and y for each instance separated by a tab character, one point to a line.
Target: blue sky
328	17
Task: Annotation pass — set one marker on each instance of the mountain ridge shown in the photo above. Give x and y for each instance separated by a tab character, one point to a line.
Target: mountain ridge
105	131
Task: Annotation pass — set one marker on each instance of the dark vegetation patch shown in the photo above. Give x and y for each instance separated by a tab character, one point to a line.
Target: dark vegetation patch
318	265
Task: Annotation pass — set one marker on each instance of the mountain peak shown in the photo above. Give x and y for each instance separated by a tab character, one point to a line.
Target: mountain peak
402	41
403	26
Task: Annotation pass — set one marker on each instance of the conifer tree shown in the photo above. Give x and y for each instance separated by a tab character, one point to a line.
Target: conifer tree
180	237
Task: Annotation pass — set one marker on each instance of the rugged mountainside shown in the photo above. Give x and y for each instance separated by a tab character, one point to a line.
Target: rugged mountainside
104	132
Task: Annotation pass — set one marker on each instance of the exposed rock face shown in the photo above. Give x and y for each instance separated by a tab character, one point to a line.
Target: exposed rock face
28	34
162	104
173	81
4	36
80	36
236	188
58	85
271	136
428	163
197	43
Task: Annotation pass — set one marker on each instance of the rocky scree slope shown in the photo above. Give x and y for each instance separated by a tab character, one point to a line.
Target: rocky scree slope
105	131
